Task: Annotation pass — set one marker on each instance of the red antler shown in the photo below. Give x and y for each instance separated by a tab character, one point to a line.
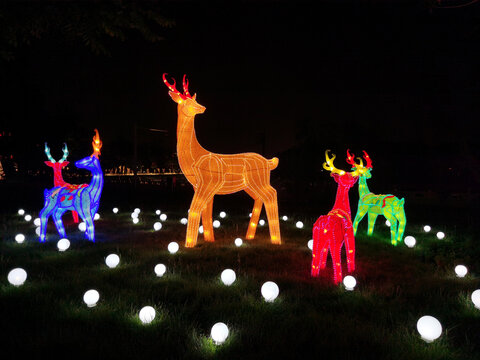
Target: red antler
172	87
351	158
367	159
185	86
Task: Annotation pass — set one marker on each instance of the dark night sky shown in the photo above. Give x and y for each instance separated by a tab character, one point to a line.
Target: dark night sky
284	78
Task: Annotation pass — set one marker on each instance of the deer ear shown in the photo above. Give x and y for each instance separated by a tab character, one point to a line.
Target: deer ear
65	163
175	96
48	163
194	97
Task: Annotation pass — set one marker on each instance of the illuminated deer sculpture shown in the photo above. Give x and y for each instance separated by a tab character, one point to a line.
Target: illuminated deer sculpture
82	198
57	171
211	174
387	205
333	230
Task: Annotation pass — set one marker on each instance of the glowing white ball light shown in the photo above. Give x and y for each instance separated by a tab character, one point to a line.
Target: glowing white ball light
429	328
28	217
299	224
440	235
163	217
173	247
310	244
349	282
96	217
184	221
157	226
21	212
115	210
19	238
17	276
228	277
250	215
135	220
160	270
158	212
388	223
476	298
461	270
270	291
37	231
219	333
410	241
147	314
82	226
112	260
223	214
137	210
285	218
261	222
200	229
427	228
37	222
63	244
238	242
91	297
216	224
134	215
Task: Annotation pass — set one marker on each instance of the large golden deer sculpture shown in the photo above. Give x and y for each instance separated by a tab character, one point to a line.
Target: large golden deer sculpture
218	174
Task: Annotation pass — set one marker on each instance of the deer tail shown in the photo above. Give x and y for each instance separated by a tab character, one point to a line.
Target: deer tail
273	163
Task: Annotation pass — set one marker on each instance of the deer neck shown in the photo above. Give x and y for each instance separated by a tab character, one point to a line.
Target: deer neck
341	201
58	178
188	148
96	184
363	187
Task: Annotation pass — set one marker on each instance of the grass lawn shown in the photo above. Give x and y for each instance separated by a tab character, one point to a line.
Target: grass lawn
47	317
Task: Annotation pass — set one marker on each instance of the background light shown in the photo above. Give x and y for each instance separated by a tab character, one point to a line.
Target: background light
17	276
461	270
299	224
216	224
157	212
219	333
427	228
173	247
270	291
476	298
349	282
21	212
157	226
28	217
91	297
135	220
160	270
184	221
82	226
112	260
440	235
19	238
223	214
285	218
238	242
147	314
410	241
310	244
429	328
228	277
37	222
63	244
97	216
261	222
163	217
115	210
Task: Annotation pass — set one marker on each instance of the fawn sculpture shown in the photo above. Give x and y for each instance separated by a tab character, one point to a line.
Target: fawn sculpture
211	174
82	198
57	171
331	231
387	205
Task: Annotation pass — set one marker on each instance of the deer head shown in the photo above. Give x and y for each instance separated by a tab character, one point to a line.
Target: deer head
363	171
187	103
91	162
52	163
343	178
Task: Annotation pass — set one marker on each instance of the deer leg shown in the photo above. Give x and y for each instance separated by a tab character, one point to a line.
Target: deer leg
393	230
315	251
75	216
207	221
402	222
361	211
57	218
372	217
268	196
44	215
252	225
90	227
349	245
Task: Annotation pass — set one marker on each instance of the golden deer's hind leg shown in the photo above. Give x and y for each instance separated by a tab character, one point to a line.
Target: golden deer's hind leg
252	225
271	207
207	222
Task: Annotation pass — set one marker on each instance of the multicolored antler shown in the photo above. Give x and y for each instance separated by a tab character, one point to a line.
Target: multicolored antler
96	144
49	156
172	87
330	167
65	153
367	159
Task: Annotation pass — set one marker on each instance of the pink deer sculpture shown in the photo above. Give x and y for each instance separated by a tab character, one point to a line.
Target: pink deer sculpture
57	171
333	230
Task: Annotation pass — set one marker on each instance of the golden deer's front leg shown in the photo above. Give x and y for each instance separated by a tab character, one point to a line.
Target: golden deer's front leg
252	226
207	222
